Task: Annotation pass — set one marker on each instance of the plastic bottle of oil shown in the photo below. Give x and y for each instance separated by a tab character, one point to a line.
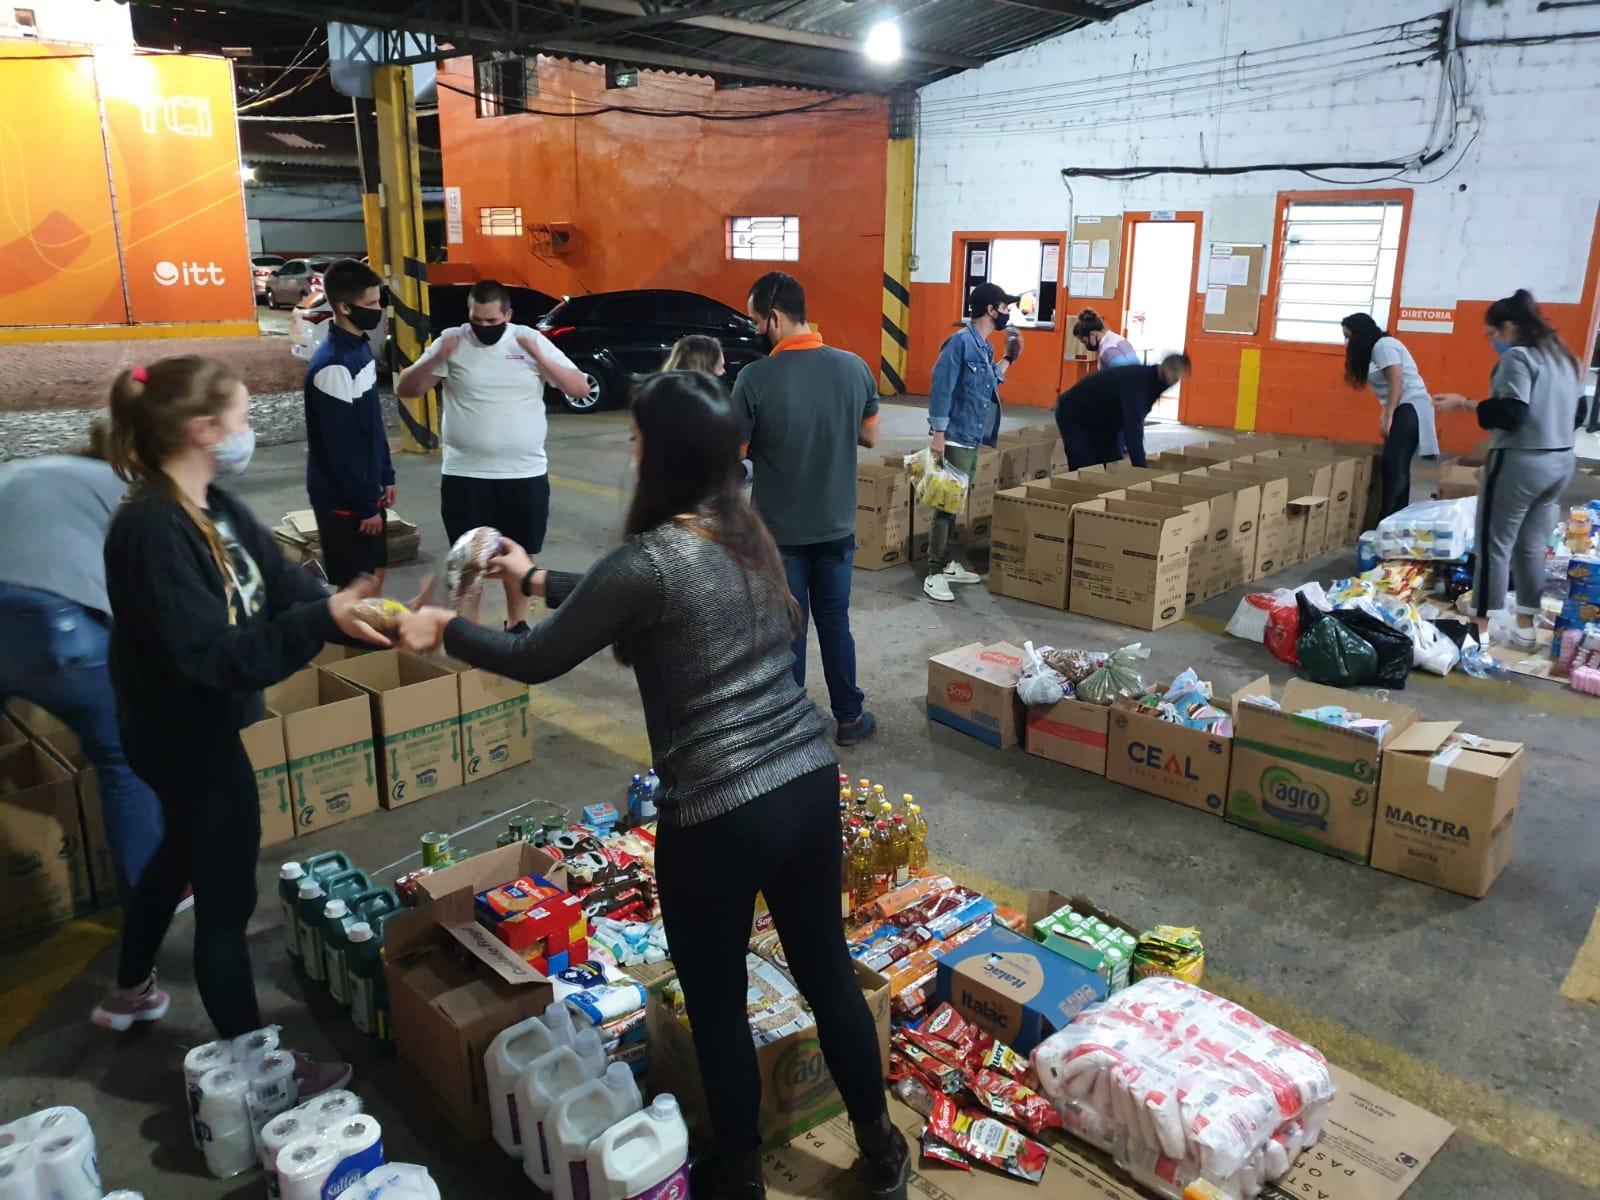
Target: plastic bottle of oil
917	851
879	799
882	858
906	801
846	797
861	877
847	885
900	845
863	790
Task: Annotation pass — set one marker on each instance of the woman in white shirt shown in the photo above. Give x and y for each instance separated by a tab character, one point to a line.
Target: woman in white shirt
1372	357
1111	349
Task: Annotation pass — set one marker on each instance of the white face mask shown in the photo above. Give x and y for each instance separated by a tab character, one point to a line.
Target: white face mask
233	453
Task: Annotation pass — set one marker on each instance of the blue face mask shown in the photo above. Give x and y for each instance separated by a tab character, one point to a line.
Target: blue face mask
1499	346
233	453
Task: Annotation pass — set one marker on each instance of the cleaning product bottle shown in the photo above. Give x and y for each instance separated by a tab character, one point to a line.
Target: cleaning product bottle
579	1117
308	916
289	876
900	844
548	1078
511	1053
862	890
326	865
336	921
646	1154
375	903
917	851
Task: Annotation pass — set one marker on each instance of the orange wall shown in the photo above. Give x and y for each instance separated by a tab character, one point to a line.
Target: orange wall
1301	389
649	198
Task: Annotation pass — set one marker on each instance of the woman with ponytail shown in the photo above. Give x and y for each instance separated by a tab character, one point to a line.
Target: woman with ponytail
206	614
1372	357
1532	413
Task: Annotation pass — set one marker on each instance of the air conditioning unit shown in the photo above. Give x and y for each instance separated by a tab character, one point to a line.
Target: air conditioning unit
553	239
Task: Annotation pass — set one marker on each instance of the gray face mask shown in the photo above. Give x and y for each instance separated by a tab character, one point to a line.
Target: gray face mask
234	452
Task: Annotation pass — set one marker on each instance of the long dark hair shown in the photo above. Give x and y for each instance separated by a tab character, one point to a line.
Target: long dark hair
1364	334
1522	311
1088	322
690	465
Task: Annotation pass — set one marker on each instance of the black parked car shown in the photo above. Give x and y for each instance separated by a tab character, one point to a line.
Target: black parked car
615	337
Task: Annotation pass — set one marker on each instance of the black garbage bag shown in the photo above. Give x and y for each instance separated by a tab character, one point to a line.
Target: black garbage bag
1333	653
1395	652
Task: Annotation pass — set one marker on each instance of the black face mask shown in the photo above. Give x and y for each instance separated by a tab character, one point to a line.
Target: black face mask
489	334
365	319
1001	320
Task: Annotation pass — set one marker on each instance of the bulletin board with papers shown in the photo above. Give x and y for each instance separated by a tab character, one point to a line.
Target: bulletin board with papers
1235	276
1094	258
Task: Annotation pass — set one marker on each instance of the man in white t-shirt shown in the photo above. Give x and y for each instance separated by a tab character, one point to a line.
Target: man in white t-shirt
495	469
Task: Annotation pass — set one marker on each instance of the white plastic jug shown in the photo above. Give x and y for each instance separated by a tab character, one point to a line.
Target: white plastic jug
642	1157
579	1117
509	1055
548	1078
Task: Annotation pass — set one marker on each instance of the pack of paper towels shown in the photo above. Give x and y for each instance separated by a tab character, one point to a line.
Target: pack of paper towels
49	1155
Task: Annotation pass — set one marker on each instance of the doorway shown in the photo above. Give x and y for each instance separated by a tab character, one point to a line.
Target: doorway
1160	279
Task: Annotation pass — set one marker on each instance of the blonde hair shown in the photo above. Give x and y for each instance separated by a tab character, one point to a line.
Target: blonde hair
150	409
696	352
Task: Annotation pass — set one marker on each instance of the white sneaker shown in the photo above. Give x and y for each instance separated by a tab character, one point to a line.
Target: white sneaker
955	573
937	587
1504	631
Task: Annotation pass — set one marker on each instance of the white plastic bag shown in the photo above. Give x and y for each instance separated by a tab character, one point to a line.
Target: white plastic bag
1179	1084
937	484
1039	686
1249	620
1433	529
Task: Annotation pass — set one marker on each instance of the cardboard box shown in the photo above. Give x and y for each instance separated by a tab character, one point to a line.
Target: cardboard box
453	986
973	690
1030	555
263	745
49	733
327	736
1032	451
1307	525
883	516
796	1090
416	723
46	872
1130	561
1308	480
1239	553
1209	555
1446	804
1458	480
1340	493
1273	548
1186	766
496	733
1125	474
1072	732
1013	987
1307	782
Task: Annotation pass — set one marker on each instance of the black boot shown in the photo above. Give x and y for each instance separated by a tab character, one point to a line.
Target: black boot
885	1159
720	1177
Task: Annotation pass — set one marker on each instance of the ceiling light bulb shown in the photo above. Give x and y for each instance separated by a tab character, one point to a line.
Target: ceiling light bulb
247	173
883	42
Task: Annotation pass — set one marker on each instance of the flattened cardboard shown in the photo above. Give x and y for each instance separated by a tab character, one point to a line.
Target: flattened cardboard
1071	732
263	745
45	876
1186	766
1446	805
496	733
416	723
1305	781
491	869
1130	561
327	735
973	690
797	1093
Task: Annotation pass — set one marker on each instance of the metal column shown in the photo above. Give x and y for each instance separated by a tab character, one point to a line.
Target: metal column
899	196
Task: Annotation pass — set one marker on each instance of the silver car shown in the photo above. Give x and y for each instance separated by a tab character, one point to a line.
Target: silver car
295	280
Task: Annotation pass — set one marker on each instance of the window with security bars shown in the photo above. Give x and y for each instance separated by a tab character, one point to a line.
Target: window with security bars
506	84
765	239
500	222
1336	259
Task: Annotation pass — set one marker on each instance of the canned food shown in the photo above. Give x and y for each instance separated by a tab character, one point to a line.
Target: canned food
435	849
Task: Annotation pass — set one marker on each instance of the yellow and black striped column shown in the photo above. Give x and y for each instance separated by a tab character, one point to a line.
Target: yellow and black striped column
898	199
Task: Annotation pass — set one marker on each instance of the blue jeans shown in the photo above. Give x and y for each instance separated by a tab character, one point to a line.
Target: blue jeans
53	654
819	578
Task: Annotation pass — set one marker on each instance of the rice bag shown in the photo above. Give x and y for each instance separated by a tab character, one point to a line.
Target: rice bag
466	569
1072	665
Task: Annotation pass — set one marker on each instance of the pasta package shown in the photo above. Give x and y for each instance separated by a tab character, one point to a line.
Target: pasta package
1179	1085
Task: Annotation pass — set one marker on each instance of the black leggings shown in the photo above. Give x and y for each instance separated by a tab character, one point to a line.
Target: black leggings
212	841
785	845
1394	464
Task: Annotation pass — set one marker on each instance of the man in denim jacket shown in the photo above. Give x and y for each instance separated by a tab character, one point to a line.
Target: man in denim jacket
963	414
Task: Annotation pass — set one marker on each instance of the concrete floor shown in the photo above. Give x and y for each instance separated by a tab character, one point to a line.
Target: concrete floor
1449	1002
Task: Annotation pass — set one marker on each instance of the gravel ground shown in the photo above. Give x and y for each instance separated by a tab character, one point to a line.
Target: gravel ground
278	419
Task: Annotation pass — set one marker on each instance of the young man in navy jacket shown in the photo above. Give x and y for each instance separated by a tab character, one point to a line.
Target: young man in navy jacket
348	471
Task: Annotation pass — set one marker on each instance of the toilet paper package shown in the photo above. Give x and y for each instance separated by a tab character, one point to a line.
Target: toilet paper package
321	1166
49	1155
1179	1085
317	1115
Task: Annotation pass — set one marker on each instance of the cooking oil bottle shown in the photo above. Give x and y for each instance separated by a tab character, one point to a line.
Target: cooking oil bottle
878	797
846	879
900	845
906	801
882	858
917	851
863	790
861	877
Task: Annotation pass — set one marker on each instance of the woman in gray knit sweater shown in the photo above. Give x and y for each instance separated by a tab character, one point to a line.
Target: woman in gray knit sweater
696	602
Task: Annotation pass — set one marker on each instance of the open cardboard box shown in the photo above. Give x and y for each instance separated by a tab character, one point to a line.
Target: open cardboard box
1272	524
1208	553
453	986
495	731
1030	555
1130	560
1072	732
973	690
264	747
1187	766
1306	781
416	722
327	736
1238	558
47	731
46	876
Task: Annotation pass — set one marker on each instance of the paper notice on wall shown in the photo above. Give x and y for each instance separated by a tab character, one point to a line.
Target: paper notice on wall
1100	254
452	216
1049	262
1216	300
980	262
1240	276
1080	256
1087	283
1220	272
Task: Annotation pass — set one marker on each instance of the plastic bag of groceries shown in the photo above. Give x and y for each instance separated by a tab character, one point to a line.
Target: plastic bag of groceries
937	484
1179	1084
1119	676
1249	620
1040	684
1433	529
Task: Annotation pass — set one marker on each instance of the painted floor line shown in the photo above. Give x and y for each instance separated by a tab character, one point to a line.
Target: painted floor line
43	970
1583	979
1526	1132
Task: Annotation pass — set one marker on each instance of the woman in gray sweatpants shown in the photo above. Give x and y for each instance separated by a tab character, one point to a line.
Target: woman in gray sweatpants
1532	415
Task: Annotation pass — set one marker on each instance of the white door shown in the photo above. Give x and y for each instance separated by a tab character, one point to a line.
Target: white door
1159	281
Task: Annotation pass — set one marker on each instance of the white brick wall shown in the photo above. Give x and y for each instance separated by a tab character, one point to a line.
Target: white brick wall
989	160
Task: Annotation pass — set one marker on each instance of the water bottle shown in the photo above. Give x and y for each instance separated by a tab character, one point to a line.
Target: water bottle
647	796
635	787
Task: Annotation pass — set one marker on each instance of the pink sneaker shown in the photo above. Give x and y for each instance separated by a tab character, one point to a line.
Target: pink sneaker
312	1078
125	1006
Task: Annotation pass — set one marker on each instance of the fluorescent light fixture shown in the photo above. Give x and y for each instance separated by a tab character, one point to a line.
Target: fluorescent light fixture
247	173
883	42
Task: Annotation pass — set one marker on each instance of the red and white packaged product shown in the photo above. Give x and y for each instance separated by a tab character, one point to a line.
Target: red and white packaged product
987	1140
1181	1085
